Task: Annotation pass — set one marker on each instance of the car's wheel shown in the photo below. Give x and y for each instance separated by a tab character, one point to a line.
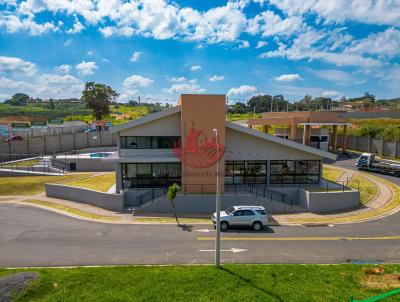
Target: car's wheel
224	226
257	226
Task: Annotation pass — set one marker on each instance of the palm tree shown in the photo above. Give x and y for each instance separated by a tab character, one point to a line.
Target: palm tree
171	194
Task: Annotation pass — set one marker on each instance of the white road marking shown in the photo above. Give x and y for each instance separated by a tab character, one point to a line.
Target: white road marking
233	250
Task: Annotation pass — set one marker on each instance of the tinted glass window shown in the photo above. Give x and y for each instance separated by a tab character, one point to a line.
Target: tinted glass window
262	212
238	213
248	213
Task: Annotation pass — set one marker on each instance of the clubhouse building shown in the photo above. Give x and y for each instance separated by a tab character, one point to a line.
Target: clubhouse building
188	143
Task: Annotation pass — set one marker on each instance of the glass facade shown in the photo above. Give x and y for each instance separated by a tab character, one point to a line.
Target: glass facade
236	173
150	174
246	172
294	171
150	142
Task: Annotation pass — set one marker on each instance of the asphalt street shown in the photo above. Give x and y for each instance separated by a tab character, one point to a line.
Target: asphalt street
34	237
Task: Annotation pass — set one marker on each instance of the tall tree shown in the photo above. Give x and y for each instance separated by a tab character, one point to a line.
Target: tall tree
98	97
18	99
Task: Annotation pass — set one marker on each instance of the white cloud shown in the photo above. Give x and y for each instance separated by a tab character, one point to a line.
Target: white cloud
86	68
65	68
269	24
45	86
68	42
216	78
334	75
137	81
242	90
124	31
135	56
77	28
195	68
261	44
315	45
15	24
184	88
89	53
244	44
16	65
182	79
331	94
339	11
288	77
385	44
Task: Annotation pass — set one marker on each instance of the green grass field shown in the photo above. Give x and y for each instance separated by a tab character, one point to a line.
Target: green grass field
331	174
367	188
302	283
28	185
100	183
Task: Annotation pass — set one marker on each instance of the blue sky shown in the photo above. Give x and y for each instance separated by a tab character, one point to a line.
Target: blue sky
158	49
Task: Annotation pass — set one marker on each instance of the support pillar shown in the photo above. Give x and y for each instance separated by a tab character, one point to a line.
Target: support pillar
334	138
344	143
118	178
265	129
293	132
250	126
307	135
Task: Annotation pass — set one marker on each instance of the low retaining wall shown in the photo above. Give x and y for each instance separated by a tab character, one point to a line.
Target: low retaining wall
113	202
319	202
88	164
194	203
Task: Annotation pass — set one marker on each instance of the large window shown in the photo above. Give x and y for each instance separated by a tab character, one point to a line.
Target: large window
150	142
245	172
294	171
150	174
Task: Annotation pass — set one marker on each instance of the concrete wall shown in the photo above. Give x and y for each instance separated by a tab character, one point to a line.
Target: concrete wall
168	126
113	202
362	115
328	201
57	143
372	145
88	164
248	147
195	203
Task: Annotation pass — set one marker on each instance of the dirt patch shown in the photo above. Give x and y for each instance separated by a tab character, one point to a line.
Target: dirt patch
15	284
387	281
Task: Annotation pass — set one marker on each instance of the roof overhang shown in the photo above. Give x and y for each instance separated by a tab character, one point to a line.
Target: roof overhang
281	141
146	119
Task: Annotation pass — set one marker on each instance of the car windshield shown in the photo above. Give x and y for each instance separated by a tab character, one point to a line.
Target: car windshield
229	210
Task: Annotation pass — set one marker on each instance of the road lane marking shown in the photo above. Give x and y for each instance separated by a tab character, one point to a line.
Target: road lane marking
299	238
205	231
233	250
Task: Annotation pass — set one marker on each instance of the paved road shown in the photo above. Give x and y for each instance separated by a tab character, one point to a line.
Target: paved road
35	237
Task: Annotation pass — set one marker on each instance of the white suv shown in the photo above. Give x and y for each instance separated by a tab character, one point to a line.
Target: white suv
252	216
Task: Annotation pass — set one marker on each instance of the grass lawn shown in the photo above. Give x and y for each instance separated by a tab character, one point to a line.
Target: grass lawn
301	283
24	163
100	183
368	189
71	210
331	174
28	185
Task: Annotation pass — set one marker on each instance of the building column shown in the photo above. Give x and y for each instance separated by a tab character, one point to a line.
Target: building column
344	143
306	134
249	125
293	132
118	178
265	129
334	138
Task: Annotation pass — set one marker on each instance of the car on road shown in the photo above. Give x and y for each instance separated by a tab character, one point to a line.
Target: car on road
242	216
13	138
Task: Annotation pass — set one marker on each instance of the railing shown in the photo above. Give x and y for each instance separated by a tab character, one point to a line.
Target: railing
149	196
34	164
269	194
60	165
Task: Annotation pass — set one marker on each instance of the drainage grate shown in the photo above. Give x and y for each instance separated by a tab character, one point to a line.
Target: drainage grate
364	261
313	225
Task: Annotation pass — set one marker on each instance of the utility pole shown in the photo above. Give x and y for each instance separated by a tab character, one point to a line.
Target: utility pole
271	104
254	112
218	210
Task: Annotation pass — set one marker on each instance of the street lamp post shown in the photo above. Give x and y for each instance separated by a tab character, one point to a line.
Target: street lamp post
218	210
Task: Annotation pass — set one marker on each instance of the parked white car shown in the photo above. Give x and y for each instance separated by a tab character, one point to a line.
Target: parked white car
252	216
